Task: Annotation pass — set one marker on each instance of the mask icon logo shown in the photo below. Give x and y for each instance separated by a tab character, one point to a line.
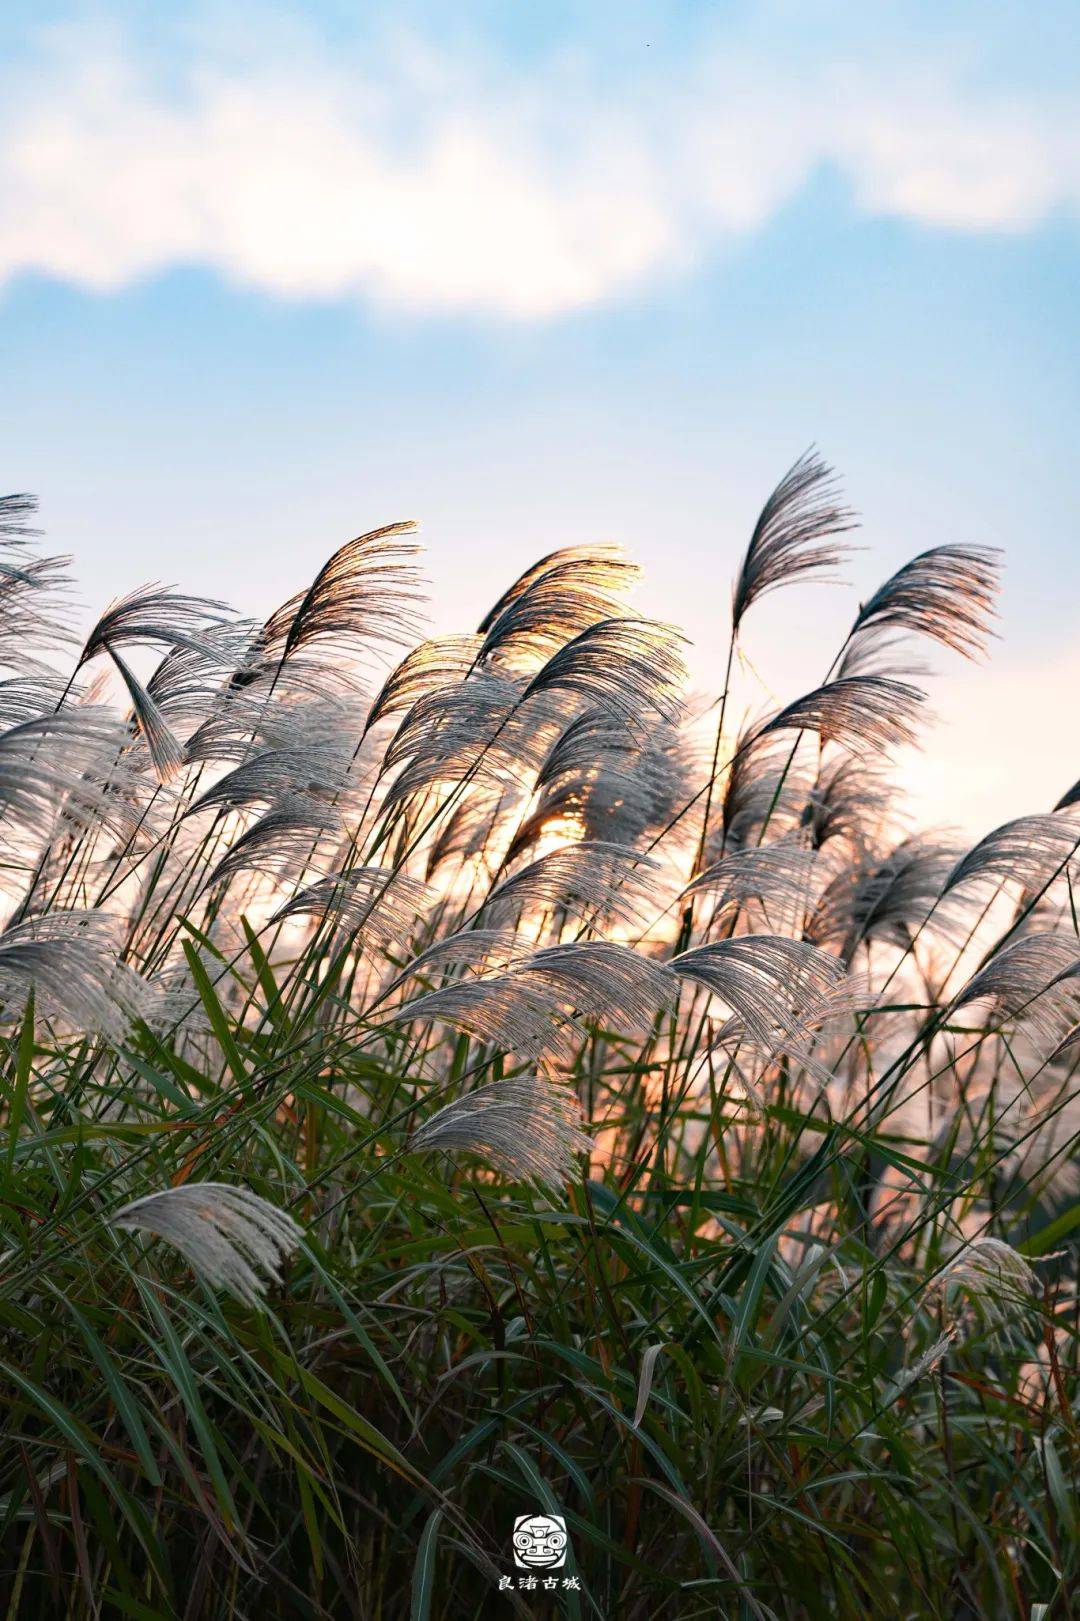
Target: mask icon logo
539	1542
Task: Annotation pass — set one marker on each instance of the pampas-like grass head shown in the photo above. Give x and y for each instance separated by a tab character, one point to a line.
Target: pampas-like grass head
993	1277
606	881
1034	979
554	601
885	898
514	1012
946	594
69	961
1026	850
796	536
229	1235
365	595
382	906
864	713
528	1128
763	978
632	668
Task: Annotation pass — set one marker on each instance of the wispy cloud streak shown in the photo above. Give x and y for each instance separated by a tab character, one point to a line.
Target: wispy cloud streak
431	181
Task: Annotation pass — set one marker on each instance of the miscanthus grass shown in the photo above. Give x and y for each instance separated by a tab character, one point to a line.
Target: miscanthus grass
452	1080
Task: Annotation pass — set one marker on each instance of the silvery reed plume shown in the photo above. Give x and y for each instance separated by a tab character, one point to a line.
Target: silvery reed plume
232	1237
527	1128
684	1143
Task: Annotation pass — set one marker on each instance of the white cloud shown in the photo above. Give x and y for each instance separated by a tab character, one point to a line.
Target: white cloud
470	185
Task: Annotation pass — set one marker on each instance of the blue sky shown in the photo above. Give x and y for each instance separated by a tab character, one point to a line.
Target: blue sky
541	274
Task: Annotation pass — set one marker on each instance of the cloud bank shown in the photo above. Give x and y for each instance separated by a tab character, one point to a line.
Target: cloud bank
455	183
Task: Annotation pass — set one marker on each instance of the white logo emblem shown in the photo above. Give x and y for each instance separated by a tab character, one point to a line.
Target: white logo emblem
539	1542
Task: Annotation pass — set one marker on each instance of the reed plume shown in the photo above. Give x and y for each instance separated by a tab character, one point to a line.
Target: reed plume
683	1144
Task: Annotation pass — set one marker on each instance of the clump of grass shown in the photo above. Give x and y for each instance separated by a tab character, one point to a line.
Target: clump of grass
477	1087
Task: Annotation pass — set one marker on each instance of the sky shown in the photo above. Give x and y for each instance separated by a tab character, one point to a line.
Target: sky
534	275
